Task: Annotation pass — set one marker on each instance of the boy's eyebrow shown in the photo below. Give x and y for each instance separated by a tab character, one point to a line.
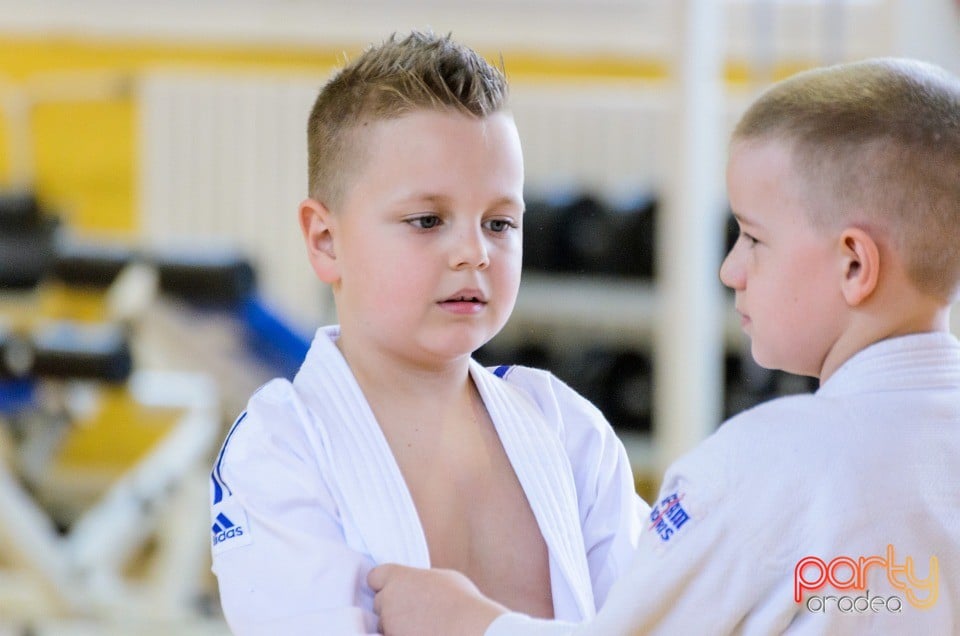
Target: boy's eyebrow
744	220
433	200
441	200
508	200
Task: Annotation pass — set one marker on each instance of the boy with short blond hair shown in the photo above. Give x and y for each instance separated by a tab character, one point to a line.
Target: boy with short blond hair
885	153
391	444
831	513
419	72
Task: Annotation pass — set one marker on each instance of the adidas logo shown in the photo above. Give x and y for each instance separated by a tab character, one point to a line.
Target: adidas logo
224	529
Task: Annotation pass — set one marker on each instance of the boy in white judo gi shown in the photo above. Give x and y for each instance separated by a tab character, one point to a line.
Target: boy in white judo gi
391	444
832	513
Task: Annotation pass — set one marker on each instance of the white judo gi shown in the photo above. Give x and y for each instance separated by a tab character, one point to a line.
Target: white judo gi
307	497
858	485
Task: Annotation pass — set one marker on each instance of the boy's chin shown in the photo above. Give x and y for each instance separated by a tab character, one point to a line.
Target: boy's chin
459	348
774	363
765	359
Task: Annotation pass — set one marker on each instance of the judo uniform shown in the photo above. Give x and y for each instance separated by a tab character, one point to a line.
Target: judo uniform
307	497
809	514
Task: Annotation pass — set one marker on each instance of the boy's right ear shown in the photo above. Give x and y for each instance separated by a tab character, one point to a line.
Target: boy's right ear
318	226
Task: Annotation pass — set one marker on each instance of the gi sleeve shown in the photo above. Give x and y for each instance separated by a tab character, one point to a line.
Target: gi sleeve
279	554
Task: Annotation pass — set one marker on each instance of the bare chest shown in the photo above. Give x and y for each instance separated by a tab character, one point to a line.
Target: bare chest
477	519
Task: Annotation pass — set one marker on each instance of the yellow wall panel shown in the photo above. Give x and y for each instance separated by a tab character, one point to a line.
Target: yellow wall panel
85	162
84	151
85	154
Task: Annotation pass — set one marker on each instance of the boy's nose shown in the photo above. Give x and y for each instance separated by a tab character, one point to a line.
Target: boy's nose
731	274
470	251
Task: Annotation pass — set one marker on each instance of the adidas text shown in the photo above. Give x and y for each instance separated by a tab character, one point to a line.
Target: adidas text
236	531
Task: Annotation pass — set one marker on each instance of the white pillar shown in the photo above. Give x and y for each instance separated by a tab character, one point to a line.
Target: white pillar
688	398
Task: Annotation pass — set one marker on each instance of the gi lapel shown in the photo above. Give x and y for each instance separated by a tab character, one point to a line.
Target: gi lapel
543	468
371	492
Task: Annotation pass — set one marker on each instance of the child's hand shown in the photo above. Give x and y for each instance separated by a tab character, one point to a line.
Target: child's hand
416	602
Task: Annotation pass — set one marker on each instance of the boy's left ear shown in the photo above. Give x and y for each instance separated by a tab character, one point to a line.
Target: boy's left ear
861	265
318	227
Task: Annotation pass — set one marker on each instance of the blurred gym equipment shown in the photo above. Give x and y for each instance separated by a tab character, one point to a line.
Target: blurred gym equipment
110	412
619	381
100	466
578	233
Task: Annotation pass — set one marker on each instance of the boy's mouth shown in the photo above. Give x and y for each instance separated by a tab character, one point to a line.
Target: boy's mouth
467	294
473	299
744	318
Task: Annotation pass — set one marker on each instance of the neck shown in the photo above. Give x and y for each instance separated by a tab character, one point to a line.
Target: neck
417	407
911	314
388	378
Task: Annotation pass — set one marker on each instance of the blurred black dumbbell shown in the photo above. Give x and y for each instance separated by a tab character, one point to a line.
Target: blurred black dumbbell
540	238
19	209
619	382
91	264
27	253
203	276
633	253
586	235
610	240
71	350
213	277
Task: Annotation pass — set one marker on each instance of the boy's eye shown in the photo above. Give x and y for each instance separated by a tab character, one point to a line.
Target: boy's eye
500	225
426	222
751	240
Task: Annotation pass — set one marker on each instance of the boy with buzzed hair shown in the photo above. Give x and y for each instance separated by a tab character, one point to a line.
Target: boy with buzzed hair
831	513
391	444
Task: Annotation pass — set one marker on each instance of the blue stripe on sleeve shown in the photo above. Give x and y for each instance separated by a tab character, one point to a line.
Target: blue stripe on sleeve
217	490
218	482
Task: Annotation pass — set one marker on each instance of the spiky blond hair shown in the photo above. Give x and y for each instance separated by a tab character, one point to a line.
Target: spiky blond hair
421	71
